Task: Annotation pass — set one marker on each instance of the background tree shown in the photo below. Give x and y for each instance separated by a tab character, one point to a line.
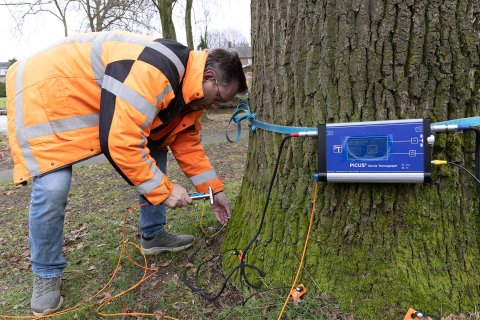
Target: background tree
10	62
202	45
377	249
61	13
226	38
113	14
129	15
188	24
96	15
203	22
165	10
57	8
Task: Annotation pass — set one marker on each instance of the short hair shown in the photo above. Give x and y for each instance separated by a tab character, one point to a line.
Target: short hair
227	64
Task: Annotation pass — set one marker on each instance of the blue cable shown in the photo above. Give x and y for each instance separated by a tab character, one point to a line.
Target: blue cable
456	124
243	112
466	122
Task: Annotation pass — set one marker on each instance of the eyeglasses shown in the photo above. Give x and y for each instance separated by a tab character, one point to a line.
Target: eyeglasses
219	98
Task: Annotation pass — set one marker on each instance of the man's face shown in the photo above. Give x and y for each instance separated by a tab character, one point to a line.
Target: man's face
214	92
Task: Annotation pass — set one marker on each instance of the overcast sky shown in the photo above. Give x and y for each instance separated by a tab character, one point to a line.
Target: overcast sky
44	30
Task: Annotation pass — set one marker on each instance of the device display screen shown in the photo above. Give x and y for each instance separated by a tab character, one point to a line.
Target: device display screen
367	148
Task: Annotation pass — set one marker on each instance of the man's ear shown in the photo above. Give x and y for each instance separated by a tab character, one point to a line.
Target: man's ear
209	74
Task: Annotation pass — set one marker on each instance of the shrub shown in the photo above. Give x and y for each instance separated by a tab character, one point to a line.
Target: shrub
3	91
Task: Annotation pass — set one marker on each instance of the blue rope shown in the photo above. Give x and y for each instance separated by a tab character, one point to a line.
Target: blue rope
243	112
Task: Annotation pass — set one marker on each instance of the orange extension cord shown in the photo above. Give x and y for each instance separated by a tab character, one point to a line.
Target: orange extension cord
87	303
303	253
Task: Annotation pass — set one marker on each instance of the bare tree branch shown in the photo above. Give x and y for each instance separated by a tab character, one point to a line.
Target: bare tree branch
227	38
98	15
56	8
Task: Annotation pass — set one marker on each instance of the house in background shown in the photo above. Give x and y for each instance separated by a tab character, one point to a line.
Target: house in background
245	55
3	70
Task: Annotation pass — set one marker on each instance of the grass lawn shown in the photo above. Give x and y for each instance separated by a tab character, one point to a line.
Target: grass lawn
3	101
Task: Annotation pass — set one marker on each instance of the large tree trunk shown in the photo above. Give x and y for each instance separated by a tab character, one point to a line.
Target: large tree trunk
377	249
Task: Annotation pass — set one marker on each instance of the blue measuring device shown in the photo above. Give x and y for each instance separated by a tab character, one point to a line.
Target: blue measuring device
393	151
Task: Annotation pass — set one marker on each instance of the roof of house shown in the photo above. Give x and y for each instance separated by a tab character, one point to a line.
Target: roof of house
244	52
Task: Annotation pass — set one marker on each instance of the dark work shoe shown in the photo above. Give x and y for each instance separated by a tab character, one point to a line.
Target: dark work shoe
166	242
46	296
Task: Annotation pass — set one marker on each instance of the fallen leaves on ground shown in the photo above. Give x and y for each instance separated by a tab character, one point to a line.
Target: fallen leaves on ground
71	240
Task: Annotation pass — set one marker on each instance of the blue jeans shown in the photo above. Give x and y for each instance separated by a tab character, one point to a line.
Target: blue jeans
153	218
47	214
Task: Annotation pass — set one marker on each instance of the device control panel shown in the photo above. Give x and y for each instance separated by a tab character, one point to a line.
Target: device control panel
395	151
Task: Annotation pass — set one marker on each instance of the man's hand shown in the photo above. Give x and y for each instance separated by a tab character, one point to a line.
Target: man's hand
222	208
178	198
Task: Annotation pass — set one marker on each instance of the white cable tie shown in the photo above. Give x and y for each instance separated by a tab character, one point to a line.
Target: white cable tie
308	134
443	127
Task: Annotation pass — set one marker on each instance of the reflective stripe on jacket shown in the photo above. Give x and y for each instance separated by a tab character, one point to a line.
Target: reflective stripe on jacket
110	92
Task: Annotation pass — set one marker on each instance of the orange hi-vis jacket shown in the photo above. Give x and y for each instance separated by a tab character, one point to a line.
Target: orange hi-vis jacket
113	92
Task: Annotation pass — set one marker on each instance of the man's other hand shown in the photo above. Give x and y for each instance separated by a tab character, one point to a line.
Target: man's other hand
178	198
222	208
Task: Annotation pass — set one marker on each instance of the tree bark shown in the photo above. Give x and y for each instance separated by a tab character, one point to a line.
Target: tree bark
377	249
188	24
165	9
